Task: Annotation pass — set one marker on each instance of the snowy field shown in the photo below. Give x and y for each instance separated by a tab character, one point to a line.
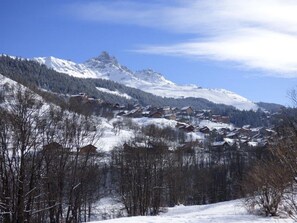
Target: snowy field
224	212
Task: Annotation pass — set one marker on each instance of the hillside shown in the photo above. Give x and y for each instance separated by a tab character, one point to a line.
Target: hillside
224	212
107	67
30	74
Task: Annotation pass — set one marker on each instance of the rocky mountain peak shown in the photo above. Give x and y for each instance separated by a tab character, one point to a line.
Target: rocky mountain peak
105	58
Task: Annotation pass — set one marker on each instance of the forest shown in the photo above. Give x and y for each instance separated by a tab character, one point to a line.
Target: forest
50	173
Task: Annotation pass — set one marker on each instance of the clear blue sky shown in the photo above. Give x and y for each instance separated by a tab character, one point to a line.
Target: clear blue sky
243	46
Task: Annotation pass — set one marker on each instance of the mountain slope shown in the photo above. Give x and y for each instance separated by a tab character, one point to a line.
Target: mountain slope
107	67
33	74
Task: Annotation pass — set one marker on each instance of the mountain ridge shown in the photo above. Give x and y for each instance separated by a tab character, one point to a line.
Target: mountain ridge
107	67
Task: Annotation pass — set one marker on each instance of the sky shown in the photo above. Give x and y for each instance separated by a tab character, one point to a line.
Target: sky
248	47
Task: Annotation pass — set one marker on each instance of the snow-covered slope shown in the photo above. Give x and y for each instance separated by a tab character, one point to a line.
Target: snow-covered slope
107	67
230	211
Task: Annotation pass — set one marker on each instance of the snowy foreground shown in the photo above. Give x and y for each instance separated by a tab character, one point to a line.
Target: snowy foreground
230	211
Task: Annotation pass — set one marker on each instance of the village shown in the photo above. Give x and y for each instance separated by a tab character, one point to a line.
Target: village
216	128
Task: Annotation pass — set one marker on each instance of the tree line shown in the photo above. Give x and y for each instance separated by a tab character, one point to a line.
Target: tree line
271	182
44	176
152	173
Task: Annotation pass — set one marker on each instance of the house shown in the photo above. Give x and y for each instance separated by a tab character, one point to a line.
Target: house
156	114
221	119
145	113
120	113
167	110
200	115
187	110
88	149
225	119
245	132
189	128
205	130
185	127
53	146
230	142
220	144
116	106
232	135
54	149
170	116
180	125
135	113
78	99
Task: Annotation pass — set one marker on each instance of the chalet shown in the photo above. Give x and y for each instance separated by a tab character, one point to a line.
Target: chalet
230	142
205	130
53	146
151	109
245	132
116	106
180	125
135	113
167	110
270	132
88	149
156	115
174	109
232	135
221	119
200	115
244	142
120	113
189	147
257	136
78	99
225	119
246	126
187	110
145	113
220	144
170	116
54	149
185	127
215	118
189	128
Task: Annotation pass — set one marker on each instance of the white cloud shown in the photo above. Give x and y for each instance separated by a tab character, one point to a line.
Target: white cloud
258	34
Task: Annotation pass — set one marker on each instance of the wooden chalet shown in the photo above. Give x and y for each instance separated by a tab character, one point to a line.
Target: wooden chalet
88	149
187	110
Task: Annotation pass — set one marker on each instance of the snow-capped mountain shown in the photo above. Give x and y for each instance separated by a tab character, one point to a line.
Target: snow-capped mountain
107	67
152	77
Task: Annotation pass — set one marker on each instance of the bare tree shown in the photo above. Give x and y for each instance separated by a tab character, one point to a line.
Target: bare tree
266	186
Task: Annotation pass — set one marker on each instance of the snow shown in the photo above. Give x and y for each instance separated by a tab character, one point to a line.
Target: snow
4	80
112	138
160	122
67	67
109	140
152	77
114	92
229	212
215	125
229	141
253	144
107	67
108	208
